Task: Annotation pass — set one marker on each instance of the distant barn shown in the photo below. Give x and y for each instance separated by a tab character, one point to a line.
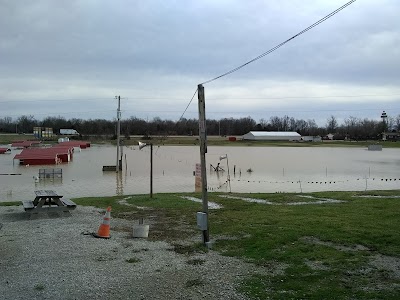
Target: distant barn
272	136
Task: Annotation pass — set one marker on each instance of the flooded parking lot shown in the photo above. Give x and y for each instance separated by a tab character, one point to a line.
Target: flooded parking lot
252	169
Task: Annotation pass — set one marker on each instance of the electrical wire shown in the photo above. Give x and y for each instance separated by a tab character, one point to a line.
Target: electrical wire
195	92
281	44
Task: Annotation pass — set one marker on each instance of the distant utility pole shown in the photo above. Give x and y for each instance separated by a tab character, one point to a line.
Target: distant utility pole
203	151
118	166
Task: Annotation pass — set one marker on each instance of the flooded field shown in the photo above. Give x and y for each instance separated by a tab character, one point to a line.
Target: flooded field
252	169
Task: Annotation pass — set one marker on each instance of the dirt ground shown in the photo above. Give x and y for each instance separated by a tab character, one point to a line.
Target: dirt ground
55	257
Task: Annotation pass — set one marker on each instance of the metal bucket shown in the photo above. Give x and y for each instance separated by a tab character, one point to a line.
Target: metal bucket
140	231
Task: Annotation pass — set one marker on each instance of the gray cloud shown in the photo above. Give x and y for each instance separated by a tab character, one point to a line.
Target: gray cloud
160	50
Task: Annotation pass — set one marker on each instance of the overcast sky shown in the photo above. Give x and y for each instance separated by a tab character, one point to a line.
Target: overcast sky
71	58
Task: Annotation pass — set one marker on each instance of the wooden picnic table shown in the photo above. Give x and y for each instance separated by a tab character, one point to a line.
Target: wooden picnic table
48	201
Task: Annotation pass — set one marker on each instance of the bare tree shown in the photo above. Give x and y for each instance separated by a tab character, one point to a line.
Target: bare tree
331	124
397	123
275	123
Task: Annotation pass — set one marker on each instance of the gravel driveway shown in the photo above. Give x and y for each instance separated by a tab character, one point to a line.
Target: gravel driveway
53	257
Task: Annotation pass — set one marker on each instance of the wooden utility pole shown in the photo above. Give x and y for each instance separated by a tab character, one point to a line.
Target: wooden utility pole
203	151
229	176
117	166
151	170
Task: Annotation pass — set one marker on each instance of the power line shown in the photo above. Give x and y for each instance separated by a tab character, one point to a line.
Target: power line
195	92
283	43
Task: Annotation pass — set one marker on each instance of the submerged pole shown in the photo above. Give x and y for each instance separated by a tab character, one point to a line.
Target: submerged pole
151	170
117	166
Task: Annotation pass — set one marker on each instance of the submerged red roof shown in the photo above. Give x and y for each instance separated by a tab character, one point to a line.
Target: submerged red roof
58	153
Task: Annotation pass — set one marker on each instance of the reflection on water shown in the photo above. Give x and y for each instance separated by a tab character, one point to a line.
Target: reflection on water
252	169
120	185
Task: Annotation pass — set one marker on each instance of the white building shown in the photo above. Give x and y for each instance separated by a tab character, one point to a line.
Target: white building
329	136
311	138
272	136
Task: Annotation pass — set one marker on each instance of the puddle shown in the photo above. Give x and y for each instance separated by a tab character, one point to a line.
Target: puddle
262	201
319	200
211	205
124	202
317	241
387	263
247	199
378	261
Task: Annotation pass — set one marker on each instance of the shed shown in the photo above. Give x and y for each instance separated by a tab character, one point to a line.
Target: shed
5	150
24	144
80	144
272	136
311	138
44	156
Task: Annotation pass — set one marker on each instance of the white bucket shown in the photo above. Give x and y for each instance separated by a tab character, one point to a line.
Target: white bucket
140	231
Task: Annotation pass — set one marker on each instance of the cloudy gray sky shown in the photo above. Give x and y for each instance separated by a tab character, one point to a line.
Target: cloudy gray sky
70	58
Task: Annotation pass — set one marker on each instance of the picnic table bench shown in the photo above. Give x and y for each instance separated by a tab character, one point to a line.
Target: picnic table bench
48	201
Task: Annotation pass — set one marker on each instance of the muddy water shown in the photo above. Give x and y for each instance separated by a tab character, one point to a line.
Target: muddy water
273	170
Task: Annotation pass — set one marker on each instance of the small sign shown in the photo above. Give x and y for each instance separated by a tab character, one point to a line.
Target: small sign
198	170
197	182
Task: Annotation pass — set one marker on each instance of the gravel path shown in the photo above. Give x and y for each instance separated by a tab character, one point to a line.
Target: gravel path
52	258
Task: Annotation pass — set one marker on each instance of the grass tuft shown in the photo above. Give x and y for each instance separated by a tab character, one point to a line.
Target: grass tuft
189	249
10	203
133	260
39	287
195	261
194	282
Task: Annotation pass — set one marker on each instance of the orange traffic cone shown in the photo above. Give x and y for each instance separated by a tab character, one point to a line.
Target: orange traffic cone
104	229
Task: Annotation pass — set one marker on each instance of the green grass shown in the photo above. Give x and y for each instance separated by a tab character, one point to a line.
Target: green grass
169	211
194	282
133	260
189	249
39	287
10	138
10	203
312	245
196	261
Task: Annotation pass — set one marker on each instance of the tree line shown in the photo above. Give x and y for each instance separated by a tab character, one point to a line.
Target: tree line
352	127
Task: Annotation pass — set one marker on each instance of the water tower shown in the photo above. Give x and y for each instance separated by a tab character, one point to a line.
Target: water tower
384	116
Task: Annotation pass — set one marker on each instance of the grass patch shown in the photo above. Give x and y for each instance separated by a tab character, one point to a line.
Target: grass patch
39	287
194	282
133	260
10	203
325	249
196	262
190	249
172	217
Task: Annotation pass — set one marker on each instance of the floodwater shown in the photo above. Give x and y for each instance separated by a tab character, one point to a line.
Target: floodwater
251	170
